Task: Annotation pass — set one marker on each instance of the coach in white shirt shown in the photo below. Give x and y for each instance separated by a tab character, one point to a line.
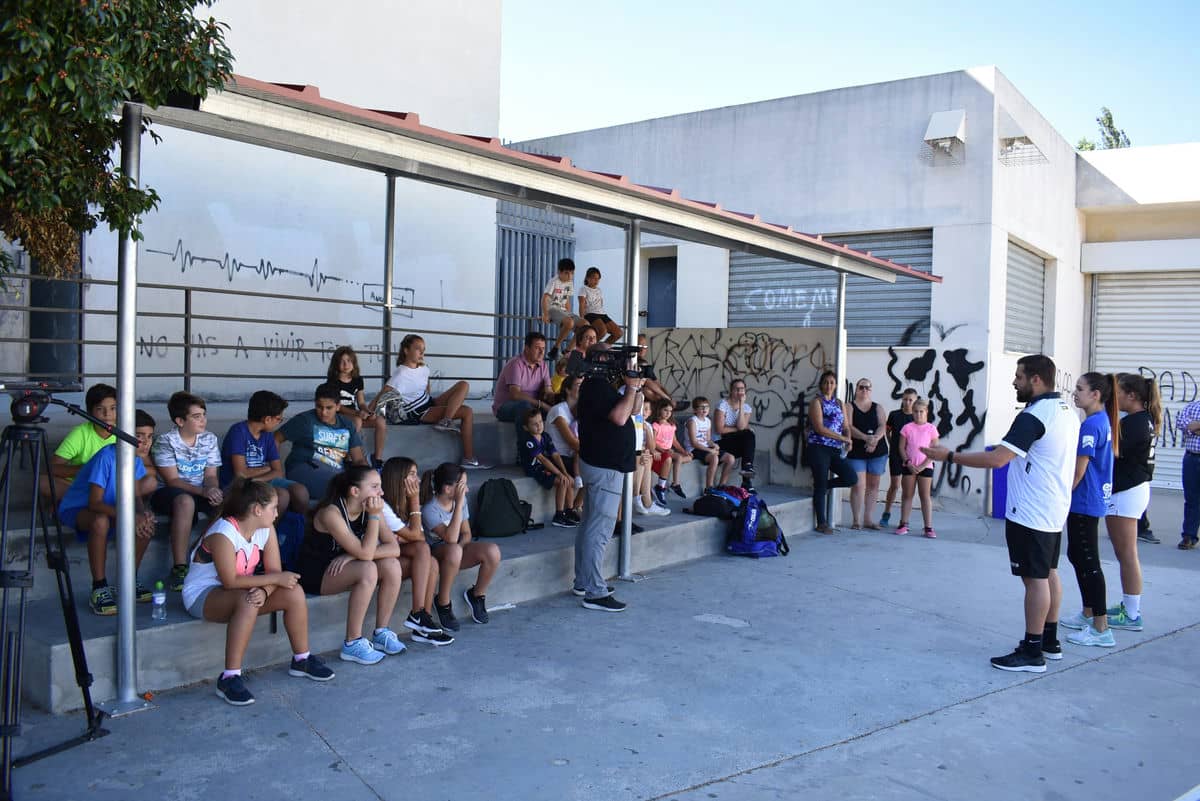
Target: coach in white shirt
1040	451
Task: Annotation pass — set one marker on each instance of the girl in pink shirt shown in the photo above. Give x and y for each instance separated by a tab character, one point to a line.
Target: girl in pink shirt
918	468
670	453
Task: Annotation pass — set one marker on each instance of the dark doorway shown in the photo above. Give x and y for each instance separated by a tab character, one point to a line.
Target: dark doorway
660	293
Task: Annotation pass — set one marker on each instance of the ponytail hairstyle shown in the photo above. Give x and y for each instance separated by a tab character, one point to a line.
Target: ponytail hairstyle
433	481
1106	385
1146	391
339	486
335	363
405	344
395	470
243	494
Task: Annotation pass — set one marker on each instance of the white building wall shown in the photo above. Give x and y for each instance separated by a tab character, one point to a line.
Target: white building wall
844	161
237	217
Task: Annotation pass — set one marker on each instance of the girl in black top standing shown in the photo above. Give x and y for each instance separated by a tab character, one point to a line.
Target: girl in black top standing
897	420
868	453
1133	468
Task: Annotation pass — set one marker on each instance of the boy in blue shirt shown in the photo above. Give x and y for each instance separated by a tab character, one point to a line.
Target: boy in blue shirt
249	450
89	507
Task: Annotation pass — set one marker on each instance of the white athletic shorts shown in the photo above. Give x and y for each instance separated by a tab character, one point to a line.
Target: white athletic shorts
1131	502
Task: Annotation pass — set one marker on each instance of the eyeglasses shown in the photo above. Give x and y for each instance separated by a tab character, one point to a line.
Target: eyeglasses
864	387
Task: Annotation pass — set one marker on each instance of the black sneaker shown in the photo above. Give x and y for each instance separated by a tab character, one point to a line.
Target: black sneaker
436	638
142	594
579	593
576	516
1020	660
1187	543
660	494
311	667
563	520
605	604
233	690
1148	536
176	577
422	621
1052	650
446	616
633	529
678	490
747	470
479	611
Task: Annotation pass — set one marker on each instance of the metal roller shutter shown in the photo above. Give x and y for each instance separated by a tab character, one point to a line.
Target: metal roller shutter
1148	322
771	292
1025	301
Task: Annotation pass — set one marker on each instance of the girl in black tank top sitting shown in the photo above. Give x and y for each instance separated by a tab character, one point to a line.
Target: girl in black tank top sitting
868	453
348	547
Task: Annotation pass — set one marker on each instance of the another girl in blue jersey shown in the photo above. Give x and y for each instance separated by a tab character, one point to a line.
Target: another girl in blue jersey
1095	394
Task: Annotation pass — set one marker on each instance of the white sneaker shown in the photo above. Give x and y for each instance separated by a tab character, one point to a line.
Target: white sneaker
658	511
1076	621
1089	636
639	508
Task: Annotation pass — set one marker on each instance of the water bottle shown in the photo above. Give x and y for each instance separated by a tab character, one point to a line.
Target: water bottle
159	611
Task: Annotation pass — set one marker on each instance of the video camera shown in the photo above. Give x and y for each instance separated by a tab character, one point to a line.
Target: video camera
31	398
613	363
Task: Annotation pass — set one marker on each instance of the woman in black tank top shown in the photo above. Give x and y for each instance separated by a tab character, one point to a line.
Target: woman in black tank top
868	453
348	547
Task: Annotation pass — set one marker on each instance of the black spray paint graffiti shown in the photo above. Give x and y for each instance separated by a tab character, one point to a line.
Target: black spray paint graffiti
264	269
779	375
1176	389
959	368
277	346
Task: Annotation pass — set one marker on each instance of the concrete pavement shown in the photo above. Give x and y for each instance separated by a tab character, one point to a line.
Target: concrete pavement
855	668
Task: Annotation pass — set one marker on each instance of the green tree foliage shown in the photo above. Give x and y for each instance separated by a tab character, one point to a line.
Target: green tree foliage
1110	135
65	68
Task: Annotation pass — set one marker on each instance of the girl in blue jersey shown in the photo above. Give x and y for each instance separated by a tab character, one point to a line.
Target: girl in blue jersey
1096	395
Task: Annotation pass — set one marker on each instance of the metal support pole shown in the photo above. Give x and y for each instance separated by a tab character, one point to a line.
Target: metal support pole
833	498
389	273
127	699
633	262
187	341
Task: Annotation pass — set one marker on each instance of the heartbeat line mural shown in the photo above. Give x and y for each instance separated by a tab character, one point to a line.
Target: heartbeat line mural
264	269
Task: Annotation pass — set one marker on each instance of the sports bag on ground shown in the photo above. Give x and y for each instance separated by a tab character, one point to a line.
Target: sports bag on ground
722	502
754	531
500	512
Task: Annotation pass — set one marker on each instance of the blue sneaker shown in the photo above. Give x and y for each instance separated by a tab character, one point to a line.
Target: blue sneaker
1118	618
360	651
385	640
1089	636
1076	622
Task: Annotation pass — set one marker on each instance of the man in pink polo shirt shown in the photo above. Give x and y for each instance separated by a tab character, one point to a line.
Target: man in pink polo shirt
523	384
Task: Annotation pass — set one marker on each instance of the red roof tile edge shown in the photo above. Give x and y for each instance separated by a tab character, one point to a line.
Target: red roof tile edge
310	96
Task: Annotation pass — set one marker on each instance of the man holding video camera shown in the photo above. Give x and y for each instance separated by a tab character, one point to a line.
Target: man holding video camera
606	442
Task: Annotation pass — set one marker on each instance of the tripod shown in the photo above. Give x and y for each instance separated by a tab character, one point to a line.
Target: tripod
25	437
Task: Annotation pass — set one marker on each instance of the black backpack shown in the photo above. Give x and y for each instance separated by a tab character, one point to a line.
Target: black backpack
500	512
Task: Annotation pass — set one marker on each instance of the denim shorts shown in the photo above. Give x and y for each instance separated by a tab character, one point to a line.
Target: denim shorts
875	465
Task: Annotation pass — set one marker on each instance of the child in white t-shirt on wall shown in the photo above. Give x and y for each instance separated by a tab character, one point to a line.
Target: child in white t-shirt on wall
699	439
591	306
557	304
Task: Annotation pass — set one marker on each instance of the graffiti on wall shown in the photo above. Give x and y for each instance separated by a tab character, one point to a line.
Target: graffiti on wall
944	378
780	367
1176	388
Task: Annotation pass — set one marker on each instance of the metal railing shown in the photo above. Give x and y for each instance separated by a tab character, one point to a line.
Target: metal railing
500	346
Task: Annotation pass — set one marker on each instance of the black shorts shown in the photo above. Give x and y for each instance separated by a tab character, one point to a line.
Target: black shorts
413	416
164	498
604	318
895	463
700	455
1032	553
541	475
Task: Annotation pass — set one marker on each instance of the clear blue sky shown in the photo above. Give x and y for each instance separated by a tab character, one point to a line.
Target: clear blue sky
569	66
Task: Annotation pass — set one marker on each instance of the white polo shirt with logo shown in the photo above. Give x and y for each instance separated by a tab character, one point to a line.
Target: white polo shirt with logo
1044	437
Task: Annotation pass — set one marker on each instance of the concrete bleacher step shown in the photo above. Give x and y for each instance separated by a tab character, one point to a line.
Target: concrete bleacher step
183	650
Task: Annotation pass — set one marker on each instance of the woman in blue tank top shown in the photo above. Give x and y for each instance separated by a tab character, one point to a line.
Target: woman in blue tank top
827	433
